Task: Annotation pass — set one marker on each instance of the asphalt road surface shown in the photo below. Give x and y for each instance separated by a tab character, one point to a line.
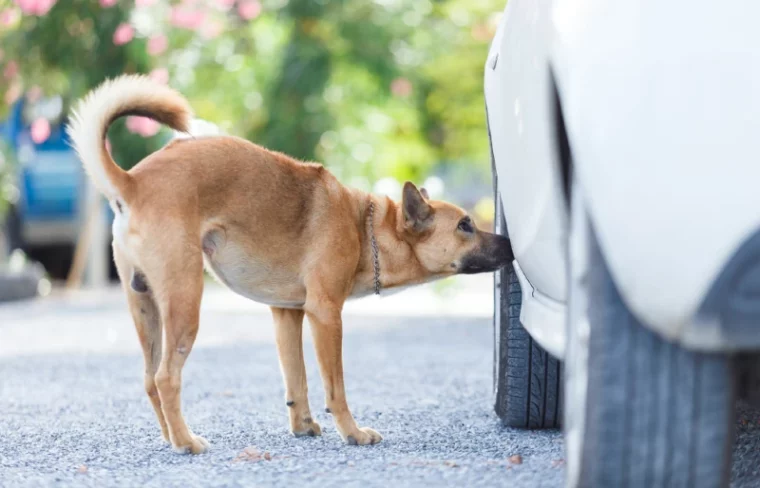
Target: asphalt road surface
73	411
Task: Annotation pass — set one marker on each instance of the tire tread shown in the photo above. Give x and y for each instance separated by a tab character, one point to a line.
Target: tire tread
528	378
657	415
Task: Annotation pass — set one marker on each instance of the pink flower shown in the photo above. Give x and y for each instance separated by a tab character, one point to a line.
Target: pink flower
27	6
8	17
249	9
185	17
160	75
40	130
123	34
144	3
142	125
11	70
157	44
401	87
107	3
35	7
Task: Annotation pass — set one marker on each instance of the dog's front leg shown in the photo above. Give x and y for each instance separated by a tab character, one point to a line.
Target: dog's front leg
288	325
327	329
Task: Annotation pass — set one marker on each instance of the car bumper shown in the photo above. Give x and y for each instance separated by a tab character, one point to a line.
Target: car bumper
542	317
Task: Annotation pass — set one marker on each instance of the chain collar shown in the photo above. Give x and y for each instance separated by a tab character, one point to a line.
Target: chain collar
373	244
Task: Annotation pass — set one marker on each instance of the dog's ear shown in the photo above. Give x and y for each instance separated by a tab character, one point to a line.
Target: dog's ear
417	212
424	194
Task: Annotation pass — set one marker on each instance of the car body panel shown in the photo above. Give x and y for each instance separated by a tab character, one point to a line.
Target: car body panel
50	179
542	317
663	130
519	112
518	105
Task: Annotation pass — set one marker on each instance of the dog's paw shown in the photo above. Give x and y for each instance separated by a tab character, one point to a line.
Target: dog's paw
307	428
362	437
198	445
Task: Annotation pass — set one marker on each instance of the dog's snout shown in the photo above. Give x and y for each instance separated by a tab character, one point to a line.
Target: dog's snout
494	253
503	249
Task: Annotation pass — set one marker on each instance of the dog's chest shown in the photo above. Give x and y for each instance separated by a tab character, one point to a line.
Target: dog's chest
252	276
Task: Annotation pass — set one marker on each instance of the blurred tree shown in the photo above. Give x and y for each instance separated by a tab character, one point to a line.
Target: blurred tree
370	88
294	101
68	50
453	101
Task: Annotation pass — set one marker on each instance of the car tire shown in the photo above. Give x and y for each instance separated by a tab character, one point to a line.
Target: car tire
527	379
640	411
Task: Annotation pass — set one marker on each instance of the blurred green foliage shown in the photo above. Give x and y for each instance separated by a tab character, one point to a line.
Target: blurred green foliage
8	191
369	88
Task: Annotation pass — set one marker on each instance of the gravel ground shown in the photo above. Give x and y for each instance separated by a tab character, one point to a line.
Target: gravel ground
81	418
423	383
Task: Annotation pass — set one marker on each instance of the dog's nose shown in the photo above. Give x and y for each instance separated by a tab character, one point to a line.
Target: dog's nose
495	252
502	250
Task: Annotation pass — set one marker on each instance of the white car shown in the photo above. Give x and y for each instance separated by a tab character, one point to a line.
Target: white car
625	140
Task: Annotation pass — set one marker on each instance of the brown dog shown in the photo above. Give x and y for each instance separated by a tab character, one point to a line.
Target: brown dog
273	229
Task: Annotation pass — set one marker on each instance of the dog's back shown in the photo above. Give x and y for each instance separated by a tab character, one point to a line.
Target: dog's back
253	211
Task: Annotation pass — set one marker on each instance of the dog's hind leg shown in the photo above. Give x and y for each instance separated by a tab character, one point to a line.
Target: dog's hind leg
147	318
178	272
288	325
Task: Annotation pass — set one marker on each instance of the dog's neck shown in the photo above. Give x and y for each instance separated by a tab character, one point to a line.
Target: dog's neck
397	263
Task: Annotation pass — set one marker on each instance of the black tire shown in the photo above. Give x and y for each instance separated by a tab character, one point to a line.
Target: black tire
527	379
656	414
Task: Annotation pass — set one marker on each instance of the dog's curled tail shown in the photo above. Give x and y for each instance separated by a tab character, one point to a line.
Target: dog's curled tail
125	95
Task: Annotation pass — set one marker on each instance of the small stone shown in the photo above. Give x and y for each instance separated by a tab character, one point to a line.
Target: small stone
82	469
267	456
251	454
516	459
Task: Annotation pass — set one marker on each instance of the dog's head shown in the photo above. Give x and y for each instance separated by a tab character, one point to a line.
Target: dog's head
446	240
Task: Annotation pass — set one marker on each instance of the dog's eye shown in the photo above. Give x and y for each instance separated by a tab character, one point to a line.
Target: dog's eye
465	225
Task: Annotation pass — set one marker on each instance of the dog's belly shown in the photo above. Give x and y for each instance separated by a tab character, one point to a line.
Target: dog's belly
253	277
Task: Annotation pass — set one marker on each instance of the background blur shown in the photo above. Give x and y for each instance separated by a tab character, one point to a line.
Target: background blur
377	90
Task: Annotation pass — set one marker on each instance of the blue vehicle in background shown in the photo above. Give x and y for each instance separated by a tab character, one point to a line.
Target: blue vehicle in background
47	218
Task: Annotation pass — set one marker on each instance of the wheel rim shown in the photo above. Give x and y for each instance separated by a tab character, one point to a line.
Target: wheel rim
578	330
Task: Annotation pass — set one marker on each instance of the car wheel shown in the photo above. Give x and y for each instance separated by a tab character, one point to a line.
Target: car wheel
640	410
527	379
